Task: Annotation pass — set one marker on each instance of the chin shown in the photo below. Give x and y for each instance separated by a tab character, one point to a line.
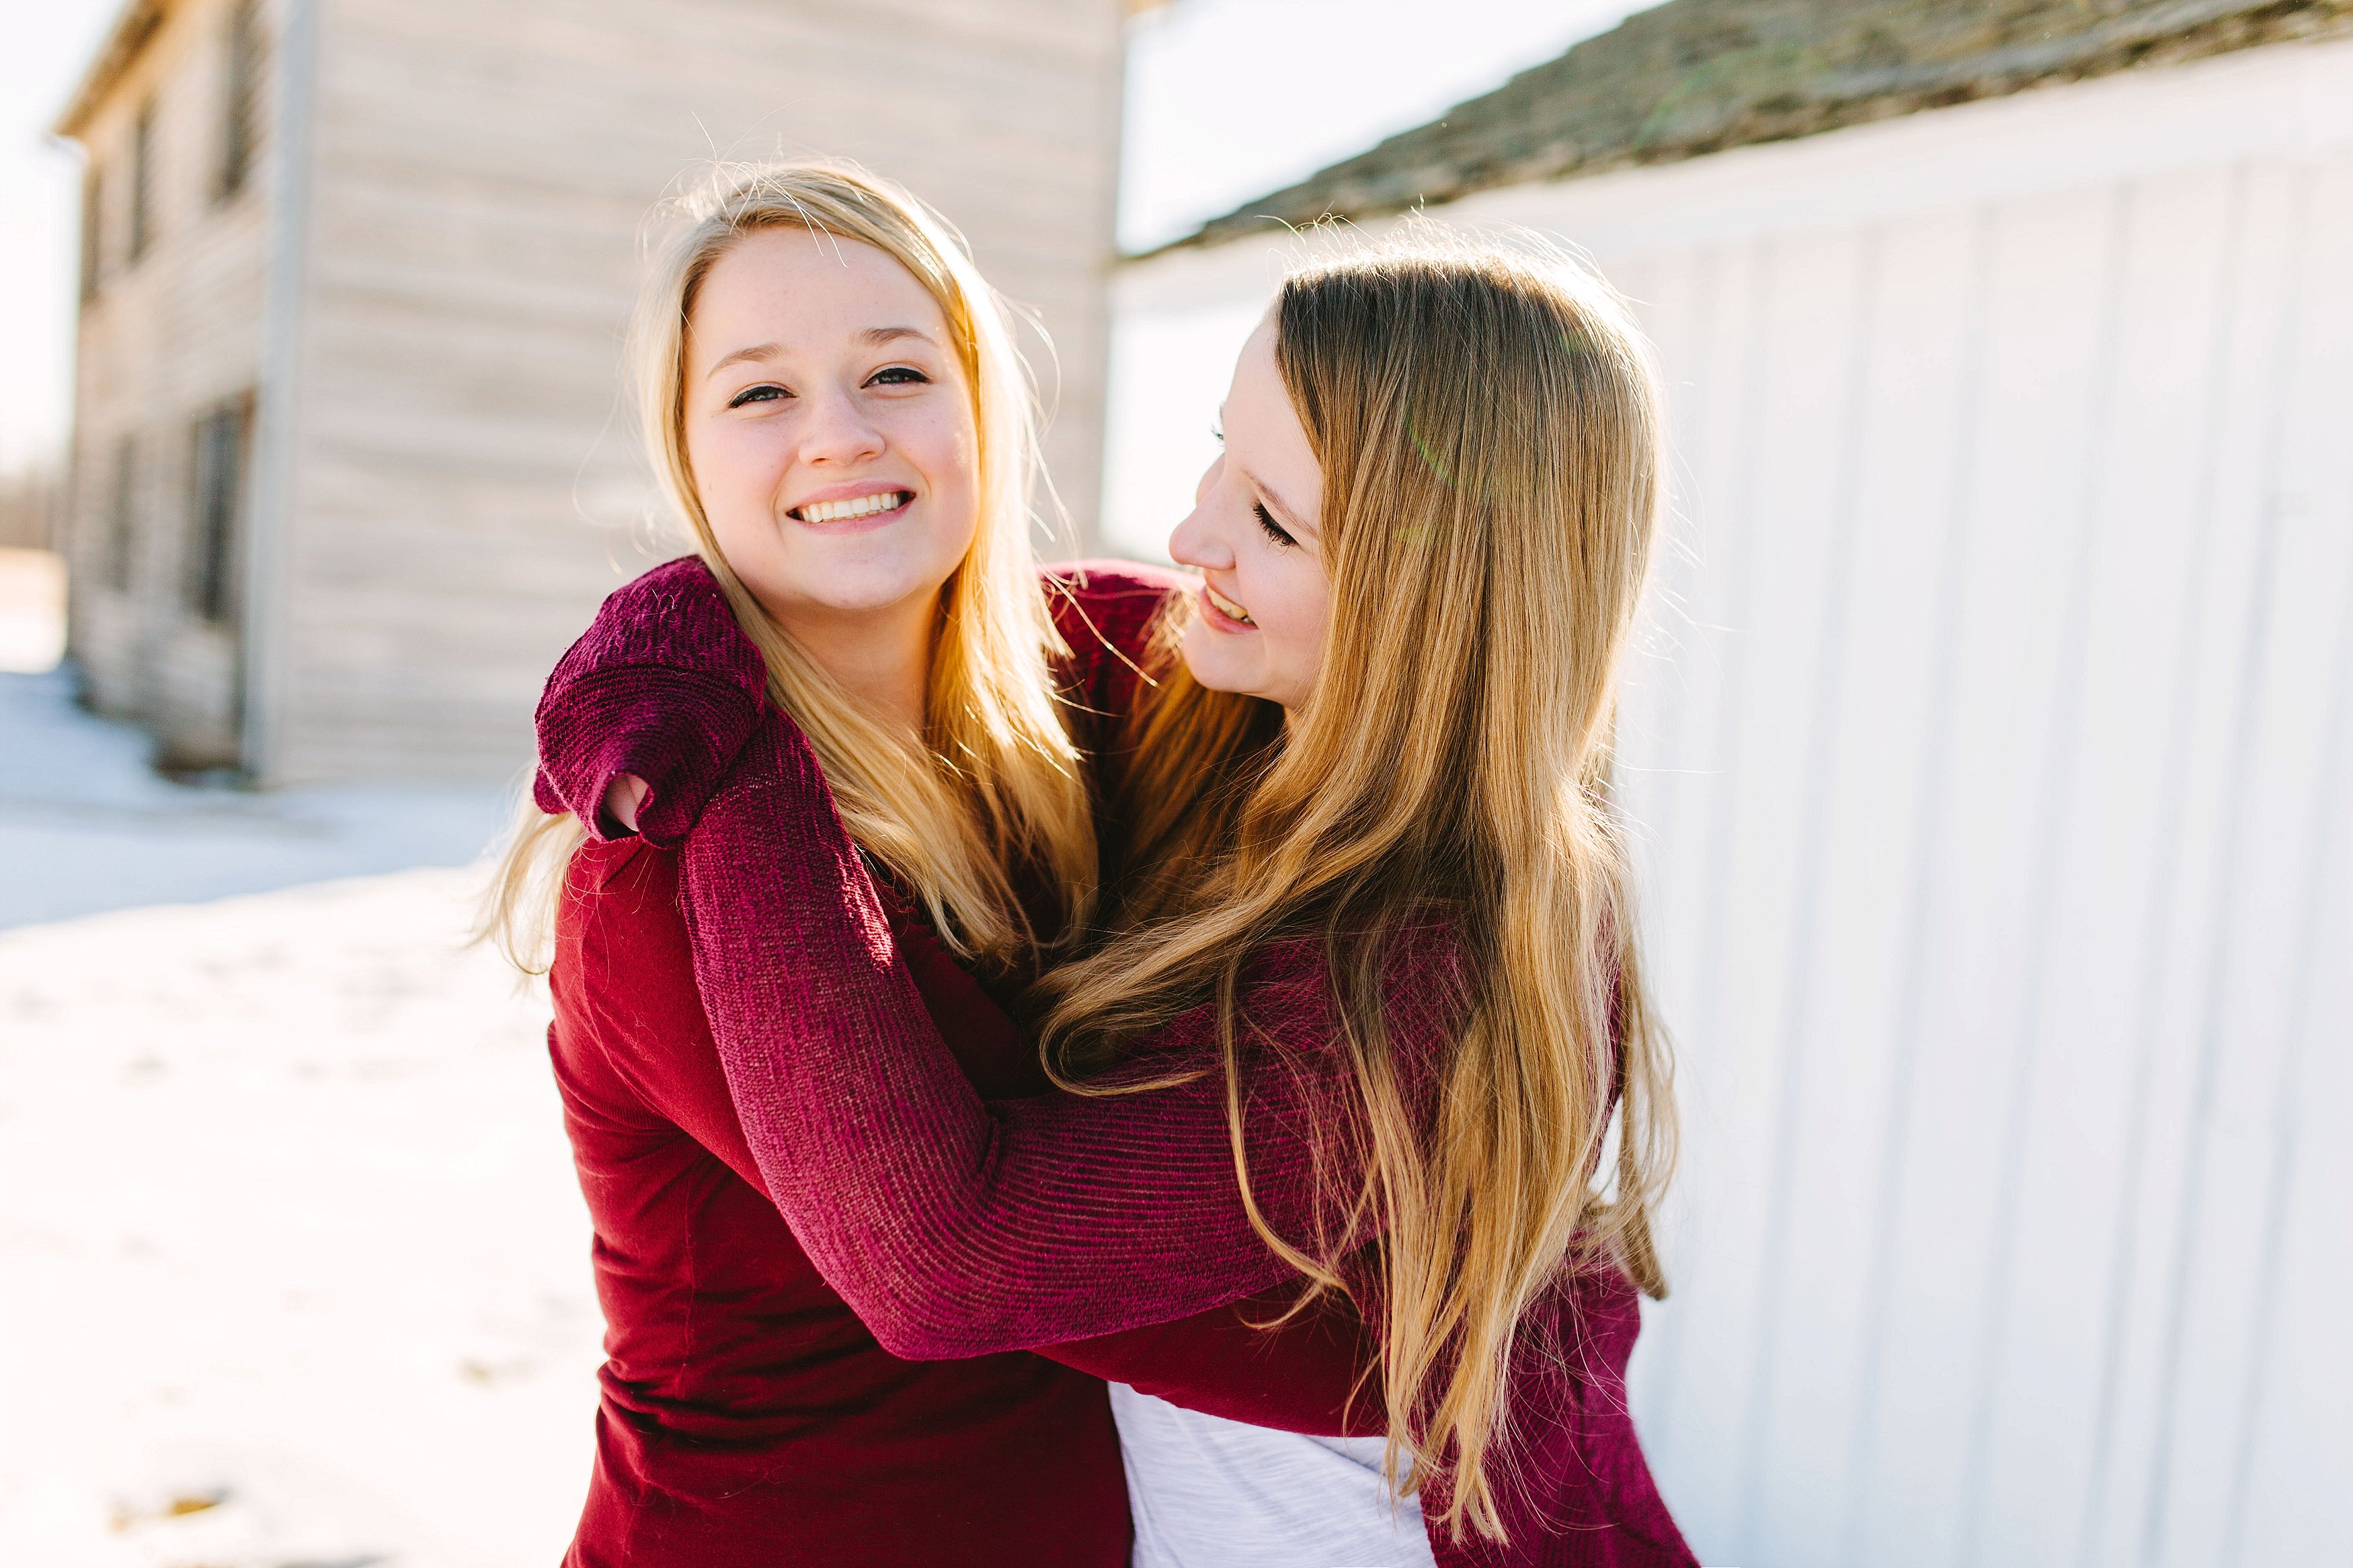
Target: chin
847	581
1215	665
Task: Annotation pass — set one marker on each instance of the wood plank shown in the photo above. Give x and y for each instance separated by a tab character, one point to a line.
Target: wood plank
2287	1499
483	176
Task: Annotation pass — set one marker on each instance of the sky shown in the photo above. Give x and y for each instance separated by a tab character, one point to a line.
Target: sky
1220	108
43	43
1229	100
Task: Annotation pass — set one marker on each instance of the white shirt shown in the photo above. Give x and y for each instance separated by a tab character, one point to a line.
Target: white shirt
1211	1493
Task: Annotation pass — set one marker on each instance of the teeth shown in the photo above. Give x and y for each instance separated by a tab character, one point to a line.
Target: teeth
864	506
1226	607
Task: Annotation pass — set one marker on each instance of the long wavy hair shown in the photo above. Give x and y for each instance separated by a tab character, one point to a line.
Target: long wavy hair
991	794
1487	424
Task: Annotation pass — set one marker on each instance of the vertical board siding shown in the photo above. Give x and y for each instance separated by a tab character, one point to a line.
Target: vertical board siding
1988	757
1985	773
2292	1436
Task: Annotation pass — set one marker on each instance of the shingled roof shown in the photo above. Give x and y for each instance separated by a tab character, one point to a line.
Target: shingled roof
1693	77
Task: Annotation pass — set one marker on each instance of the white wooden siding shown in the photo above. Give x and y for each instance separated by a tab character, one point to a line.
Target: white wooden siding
1992	747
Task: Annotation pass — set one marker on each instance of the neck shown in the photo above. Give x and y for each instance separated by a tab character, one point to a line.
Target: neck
883	656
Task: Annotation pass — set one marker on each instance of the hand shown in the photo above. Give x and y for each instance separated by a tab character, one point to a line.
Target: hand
623	796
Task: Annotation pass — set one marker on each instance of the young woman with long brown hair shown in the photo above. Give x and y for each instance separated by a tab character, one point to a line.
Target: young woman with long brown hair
833	402
1362	1006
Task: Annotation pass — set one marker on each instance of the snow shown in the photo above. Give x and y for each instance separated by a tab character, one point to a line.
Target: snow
86	826
296	1269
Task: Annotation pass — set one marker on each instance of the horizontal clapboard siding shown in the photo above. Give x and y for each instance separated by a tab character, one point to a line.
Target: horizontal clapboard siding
464	471
165	338
1991	747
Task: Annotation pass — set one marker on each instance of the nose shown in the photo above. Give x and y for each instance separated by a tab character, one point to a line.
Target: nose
1195	542
836	432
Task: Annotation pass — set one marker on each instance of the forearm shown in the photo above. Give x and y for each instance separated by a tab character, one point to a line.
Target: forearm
1317	1371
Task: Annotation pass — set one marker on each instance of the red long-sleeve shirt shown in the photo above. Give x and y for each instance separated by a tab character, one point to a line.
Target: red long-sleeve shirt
963	1228
748	1416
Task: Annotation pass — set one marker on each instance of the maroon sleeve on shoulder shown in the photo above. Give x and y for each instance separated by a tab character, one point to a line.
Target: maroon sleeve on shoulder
663	685
1105	610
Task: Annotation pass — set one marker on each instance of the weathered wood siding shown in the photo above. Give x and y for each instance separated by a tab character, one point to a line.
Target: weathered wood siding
1993	752
463	469
166	336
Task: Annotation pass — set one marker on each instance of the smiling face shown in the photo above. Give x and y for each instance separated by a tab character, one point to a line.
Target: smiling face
1254	533
829	426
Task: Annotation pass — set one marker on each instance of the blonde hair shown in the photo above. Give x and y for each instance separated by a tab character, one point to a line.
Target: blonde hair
1488	426
991	794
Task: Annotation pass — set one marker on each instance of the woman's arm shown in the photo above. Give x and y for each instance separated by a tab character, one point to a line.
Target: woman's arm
1318	1373
624	970
956	1227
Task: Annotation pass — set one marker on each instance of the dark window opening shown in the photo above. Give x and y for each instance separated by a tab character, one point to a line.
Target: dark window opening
93	192
122	517
217	477
241	108
142	181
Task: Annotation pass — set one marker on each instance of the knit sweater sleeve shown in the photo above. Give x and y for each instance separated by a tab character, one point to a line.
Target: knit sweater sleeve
958	1227
663	685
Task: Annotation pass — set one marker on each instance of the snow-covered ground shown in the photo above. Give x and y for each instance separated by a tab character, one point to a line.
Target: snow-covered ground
86	826
292	1269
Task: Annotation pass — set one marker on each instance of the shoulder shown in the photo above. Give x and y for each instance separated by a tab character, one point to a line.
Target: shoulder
1110	601
684	588
687	578
675	614
1106	611
1105	580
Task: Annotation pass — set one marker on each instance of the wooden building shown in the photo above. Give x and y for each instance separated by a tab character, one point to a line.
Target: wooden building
351	459
1992	748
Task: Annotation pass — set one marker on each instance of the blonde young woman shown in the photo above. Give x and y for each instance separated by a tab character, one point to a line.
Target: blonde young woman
1363	1008
832	395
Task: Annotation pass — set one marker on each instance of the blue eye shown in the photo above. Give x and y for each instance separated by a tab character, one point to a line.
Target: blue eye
762	394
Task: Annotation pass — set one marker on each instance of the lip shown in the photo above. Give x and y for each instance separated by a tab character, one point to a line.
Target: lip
854	491
1218	618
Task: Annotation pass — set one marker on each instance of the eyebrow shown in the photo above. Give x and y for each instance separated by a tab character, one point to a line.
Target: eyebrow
873	337
1282	510
756	352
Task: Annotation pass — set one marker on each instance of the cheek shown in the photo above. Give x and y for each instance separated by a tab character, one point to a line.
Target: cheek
1301	601
735	467
946	457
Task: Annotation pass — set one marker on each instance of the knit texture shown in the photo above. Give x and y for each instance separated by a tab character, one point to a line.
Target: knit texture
664	685
959	1227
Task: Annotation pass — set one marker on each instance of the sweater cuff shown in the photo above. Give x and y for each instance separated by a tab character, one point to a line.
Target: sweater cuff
677	730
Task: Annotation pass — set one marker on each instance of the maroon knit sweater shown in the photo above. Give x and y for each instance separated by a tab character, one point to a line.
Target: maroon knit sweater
958	1227
747	1418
